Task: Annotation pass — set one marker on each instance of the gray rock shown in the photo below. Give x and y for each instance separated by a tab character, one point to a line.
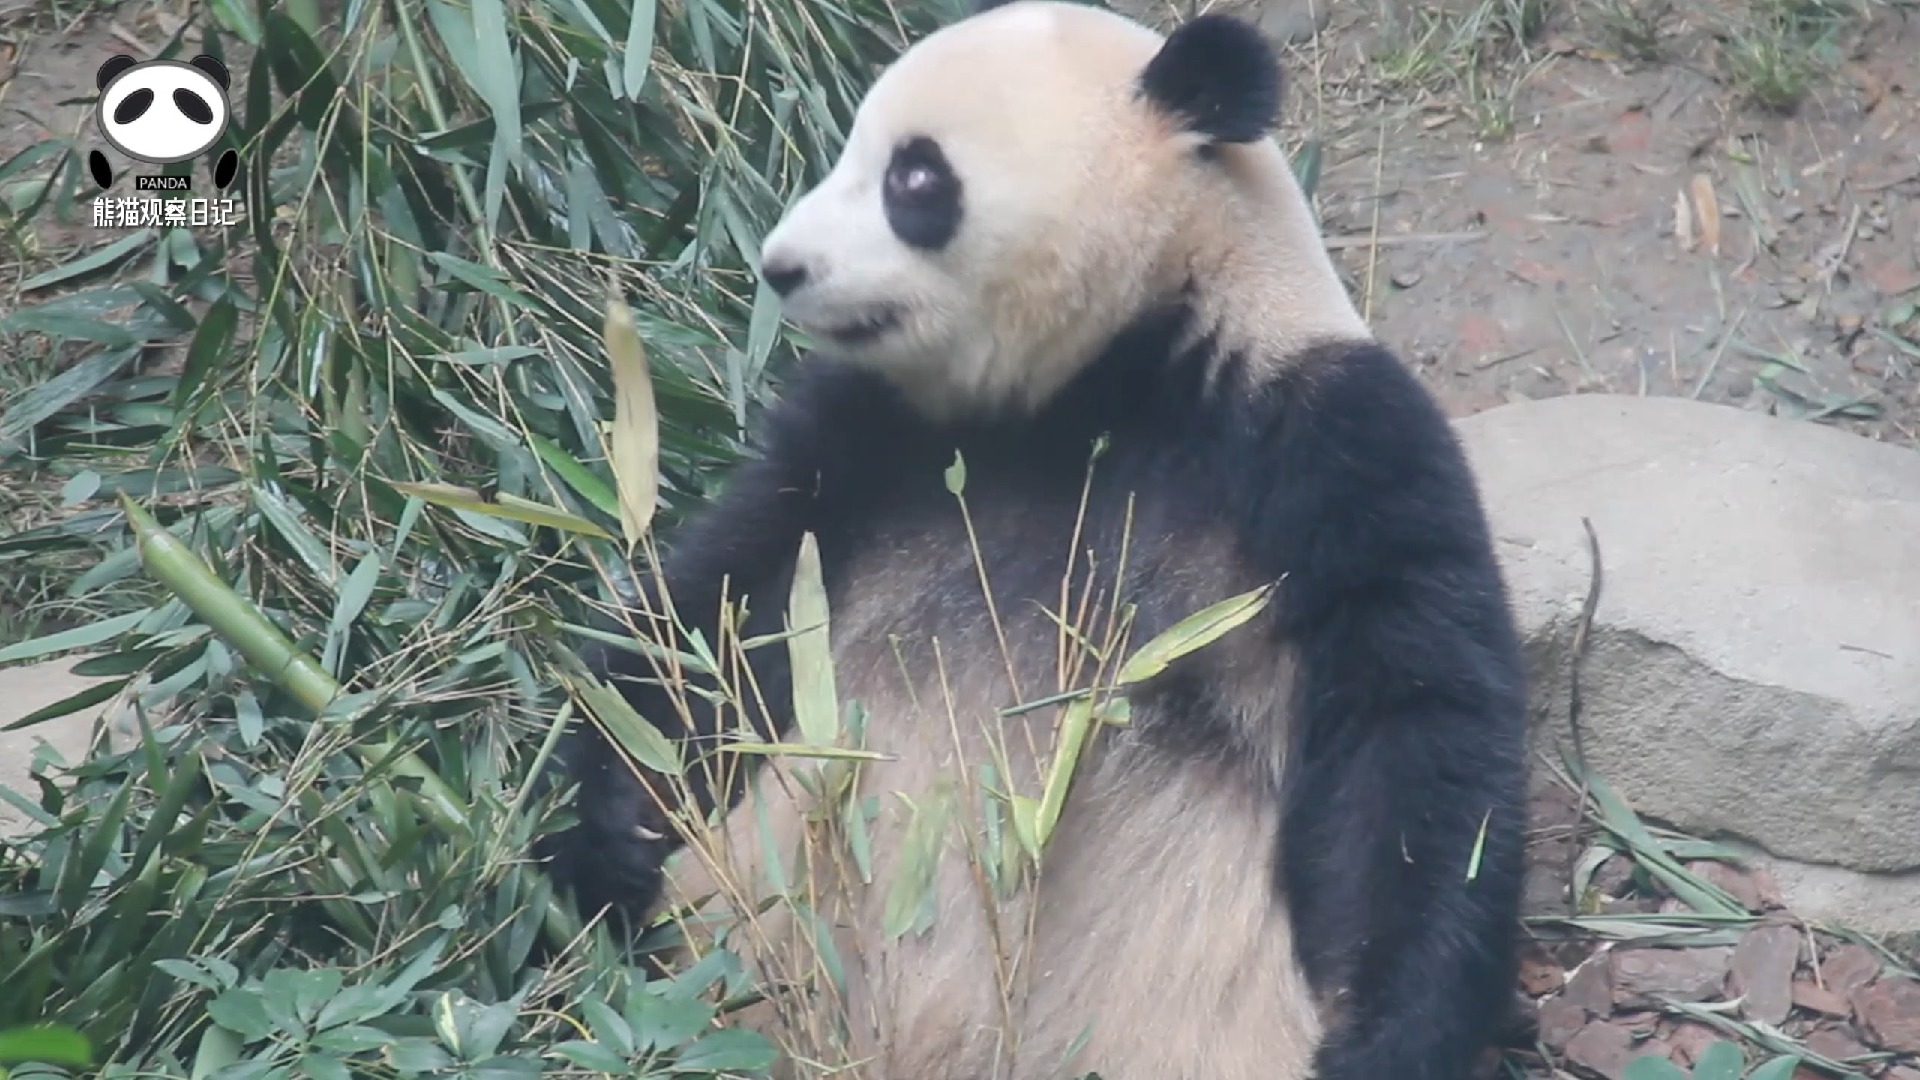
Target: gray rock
1847	968
1591	986
24	690
1754	670
1752	673
1882	904
1560	1021
1292	22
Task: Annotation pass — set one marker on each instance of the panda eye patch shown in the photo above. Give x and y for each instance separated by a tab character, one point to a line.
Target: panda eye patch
921	195
133	106
192	106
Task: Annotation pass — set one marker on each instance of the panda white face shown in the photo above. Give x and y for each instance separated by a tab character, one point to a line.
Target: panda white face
1002	205
162	111
1022	185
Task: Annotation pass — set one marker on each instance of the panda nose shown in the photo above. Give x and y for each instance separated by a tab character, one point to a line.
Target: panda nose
783	277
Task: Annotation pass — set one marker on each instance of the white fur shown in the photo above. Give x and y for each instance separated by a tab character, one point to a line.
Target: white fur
1082	206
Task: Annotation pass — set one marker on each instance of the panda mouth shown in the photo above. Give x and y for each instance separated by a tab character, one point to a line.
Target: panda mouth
866	328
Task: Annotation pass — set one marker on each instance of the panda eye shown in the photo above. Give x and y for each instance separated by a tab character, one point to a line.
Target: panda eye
919	172
921	194
912	181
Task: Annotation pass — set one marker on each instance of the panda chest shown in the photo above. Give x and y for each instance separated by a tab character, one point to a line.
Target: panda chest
920	572
1017	599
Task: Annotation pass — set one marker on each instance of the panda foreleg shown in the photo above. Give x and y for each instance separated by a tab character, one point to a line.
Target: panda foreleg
742	546
1401	857
1403	800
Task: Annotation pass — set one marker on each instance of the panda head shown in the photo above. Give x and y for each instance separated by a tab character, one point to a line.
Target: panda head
1019	186
163	111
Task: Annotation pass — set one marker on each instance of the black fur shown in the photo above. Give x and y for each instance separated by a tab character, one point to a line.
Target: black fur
927	216
1409	722
1219	76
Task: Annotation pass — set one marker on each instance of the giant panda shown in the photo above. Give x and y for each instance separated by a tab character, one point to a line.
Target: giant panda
1078	336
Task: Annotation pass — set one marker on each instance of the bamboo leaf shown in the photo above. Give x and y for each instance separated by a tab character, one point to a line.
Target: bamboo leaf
577	476
816	706
1779	1068
50	1044
92	695
26	412
1719	1061
88	263
635	450
629	729
1074	729
1702	895
211	347
639	49
1193	633
1650	1067
911	901
78	637
510	507
1025	810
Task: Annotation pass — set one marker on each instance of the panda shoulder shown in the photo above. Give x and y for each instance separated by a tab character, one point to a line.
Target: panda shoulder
1361	476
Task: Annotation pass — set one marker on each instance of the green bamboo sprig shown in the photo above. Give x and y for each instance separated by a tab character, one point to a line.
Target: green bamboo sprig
241	625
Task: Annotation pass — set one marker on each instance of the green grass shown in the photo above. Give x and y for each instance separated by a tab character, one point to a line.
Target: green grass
1479	53
1776	51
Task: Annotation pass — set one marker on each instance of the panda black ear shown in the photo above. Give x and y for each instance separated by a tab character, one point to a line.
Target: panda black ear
115	64
214	68
1219	76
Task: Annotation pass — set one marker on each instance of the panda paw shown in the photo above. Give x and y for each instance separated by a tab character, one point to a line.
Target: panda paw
612	857
606	867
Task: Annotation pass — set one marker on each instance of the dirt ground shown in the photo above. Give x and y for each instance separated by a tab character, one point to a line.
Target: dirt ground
1606	206
1579	253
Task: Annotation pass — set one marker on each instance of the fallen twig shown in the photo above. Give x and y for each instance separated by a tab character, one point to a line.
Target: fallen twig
1582	633
1343	243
